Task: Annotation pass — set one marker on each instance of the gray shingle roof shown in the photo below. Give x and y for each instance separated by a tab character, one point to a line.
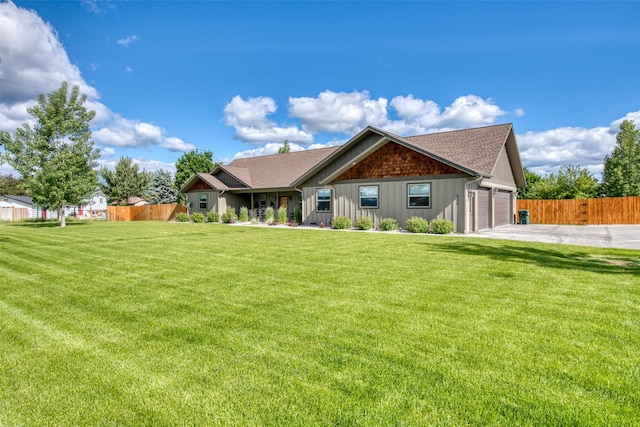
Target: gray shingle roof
474	149
276	170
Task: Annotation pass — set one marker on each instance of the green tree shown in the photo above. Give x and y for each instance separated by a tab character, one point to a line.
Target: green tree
529	192
56	157
285	148
12	186
162	189
124	182
191	162
621	174
571	182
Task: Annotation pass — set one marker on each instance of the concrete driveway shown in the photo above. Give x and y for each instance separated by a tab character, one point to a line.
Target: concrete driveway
605	236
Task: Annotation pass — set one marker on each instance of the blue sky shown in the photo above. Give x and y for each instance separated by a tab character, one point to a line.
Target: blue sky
238	78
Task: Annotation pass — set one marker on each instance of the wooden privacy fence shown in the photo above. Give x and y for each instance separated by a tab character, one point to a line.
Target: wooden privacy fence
14	214
144	212
610	210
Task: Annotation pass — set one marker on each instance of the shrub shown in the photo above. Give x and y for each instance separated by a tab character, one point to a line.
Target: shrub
268	215
388	224
197	217
341	222
182	217
297	215
282	215
213	216
364	223
416	224
441	226
244	214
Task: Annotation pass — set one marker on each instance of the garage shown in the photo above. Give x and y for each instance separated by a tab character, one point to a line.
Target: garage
502	205
483	208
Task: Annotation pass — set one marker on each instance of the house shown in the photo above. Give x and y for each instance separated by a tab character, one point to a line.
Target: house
25	202
468	176
96	204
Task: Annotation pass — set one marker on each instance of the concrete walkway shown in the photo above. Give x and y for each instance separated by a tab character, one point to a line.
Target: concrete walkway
605	236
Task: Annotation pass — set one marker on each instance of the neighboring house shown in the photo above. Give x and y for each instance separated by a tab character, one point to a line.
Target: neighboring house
468	176
27	203
96	204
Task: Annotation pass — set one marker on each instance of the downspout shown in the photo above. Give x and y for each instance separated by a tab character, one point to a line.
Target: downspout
474	226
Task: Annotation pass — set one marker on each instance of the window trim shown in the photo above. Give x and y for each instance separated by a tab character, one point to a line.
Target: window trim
409	196
317	190
377	187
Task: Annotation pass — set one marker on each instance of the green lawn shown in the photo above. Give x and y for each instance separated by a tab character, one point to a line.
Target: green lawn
169	324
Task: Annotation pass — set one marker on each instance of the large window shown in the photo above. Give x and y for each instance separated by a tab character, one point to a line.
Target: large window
368	196
203	201
323	200
419	195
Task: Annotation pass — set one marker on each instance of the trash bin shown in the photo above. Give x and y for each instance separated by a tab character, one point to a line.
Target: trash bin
524	216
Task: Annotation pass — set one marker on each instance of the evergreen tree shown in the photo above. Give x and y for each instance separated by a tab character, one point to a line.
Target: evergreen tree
285	148
621	174
56	157
124	182
162	189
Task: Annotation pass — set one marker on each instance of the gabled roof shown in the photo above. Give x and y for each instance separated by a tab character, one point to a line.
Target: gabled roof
25	200
211	180
276	170
474	151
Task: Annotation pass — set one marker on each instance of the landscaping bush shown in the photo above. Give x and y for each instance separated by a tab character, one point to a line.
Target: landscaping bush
441	226
213	217
388	224
197	217
416	224
341	222
297	215
229	215
282	215
268	215
364	223
182	217
244	214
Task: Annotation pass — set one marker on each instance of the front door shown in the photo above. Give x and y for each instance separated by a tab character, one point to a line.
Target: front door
284	202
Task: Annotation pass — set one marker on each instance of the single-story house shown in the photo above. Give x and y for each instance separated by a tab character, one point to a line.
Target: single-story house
468	176
97	203
25	202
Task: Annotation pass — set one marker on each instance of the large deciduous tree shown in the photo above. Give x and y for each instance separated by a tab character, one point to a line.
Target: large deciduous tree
12	186
571	182
56	157
529	192
191	162
621	174
125	182
162	189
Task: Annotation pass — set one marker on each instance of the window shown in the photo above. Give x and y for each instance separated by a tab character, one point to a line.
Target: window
323	200
368	196
419	195
203	201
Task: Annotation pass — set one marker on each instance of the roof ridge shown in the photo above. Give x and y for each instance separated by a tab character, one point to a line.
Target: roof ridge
459	130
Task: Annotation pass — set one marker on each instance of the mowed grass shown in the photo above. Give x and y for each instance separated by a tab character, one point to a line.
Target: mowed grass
169	324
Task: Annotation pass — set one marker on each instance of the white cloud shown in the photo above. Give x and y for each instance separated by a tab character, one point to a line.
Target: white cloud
128	69
128	40
121	132
97	6
271	148
143	164
34	62
547	151
339	112
249	118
